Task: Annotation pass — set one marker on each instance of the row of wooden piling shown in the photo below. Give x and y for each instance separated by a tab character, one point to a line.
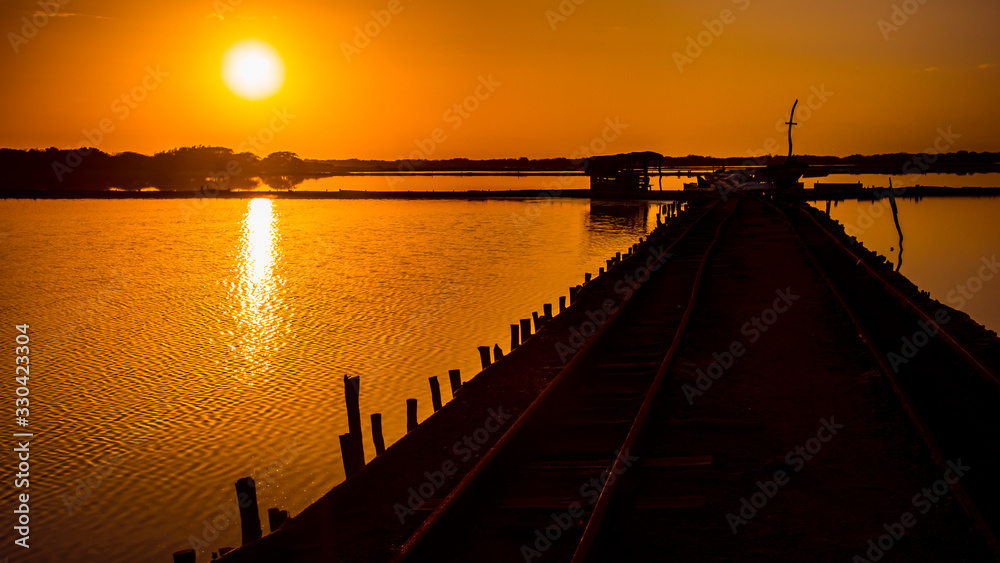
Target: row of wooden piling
667	211
351	443
520	332
250	526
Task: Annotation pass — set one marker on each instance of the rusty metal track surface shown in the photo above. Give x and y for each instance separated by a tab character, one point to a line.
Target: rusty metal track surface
949	393
555	468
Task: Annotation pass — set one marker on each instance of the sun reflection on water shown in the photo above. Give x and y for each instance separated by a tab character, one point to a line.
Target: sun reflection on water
256	298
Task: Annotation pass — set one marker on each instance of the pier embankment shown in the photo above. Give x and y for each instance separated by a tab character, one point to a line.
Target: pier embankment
371	514
811	447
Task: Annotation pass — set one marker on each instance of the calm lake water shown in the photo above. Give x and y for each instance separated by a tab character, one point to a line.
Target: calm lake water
175	350
947	245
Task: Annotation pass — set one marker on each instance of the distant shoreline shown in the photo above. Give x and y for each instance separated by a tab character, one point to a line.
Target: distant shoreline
652	195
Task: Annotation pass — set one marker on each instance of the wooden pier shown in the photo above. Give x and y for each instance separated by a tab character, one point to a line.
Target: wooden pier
746	384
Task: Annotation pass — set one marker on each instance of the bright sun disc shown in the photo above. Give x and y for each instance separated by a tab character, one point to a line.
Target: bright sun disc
252	69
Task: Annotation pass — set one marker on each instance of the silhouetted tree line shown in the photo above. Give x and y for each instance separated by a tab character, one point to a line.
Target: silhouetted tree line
961	162
191	168
185	168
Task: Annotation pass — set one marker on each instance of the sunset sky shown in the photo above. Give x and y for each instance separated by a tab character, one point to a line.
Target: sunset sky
550	75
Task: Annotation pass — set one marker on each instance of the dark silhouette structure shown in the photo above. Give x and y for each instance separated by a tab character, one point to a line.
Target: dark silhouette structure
621	175
786	175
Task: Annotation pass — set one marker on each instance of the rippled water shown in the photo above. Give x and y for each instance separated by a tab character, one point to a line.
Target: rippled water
948	245
176	349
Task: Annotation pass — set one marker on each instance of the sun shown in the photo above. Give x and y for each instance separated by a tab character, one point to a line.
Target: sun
252	69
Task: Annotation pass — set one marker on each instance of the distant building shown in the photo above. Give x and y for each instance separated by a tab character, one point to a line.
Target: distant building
621	175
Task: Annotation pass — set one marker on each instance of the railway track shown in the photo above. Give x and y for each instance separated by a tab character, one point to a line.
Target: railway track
551	489
950	392
544	490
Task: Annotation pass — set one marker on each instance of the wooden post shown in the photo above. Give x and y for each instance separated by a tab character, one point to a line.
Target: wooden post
377	437
618	257
411	414
538	322
484	356
455	377
515	336
895	218
610	263
586	277
497	353
352	395
349	453
572	295
276	517
246	499
562	303
435	393
547	311
185	556
600	271
525	330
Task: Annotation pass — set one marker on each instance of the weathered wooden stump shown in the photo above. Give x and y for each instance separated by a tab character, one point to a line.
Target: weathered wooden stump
246	499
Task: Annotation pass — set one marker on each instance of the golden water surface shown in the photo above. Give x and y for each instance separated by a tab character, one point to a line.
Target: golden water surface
177	345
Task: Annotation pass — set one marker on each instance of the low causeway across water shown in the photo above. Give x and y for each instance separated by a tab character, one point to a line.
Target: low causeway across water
748	384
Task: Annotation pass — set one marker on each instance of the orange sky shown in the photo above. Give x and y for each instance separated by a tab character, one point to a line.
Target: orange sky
556	79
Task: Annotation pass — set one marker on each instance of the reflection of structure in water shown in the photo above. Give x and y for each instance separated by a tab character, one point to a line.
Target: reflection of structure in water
622	175
617	217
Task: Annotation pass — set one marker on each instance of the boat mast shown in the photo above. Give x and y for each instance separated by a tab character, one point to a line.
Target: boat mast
791	121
